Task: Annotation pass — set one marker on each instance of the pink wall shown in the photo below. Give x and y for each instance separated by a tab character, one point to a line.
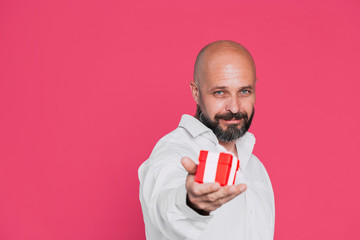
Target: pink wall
88	87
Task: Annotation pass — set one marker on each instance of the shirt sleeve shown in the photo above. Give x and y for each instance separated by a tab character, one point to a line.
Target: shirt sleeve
163	197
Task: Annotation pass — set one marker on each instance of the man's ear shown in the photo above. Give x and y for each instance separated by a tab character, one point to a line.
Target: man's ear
195	91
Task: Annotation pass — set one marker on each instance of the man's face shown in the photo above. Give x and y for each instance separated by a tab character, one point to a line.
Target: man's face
226	98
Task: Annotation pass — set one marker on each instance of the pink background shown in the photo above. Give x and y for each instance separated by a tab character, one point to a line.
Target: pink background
88	87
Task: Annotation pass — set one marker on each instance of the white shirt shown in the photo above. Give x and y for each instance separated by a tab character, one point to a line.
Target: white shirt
251	215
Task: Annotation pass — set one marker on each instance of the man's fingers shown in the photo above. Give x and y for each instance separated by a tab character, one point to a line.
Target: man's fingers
235	189
189	165
199	189
229	197
238	188
225	192
210	196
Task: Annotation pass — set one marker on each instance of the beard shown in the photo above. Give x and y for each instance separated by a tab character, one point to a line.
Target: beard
233	131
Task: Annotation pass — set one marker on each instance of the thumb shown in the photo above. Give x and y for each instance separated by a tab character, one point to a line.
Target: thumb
189	165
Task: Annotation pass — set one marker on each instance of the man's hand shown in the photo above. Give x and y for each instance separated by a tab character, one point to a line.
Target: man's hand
206	197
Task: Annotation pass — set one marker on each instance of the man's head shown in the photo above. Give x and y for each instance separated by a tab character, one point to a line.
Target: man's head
224	89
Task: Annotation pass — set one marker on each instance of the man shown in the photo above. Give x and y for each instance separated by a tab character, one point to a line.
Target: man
174	205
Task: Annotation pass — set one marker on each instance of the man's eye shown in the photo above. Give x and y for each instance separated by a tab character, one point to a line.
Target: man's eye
245	92
219	93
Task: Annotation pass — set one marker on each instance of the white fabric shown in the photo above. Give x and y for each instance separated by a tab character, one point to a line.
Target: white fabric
251	215
234	164
212	160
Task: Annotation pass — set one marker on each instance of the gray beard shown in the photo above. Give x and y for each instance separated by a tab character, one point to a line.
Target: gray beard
232	132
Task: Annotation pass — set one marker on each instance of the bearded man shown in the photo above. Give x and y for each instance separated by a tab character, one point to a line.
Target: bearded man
174	205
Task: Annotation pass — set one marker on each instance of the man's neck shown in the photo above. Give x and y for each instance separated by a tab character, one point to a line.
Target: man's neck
230	146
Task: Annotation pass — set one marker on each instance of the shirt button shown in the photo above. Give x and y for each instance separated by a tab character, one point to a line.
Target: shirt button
252	211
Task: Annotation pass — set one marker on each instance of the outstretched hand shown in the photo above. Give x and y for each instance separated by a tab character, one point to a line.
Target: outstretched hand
206	197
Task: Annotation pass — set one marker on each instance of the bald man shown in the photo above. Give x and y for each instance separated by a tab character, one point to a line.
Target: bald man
174	205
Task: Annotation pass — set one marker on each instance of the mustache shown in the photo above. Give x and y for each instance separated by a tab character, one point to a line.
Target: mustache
229	116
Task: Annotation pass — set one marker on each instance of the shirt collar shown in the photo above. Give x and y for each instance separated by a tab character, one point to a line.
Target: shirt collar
193	125
245	146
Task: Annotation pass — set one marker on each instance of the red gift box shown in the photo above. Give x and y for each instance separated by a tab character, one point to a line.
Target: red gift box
217	167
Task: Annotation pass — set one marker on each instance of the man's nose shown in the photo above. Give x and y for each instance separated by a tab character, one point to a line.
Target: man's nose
233	104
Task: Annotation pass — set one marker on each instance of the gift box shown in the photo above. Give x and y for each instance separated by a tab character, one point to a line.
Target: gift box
217	167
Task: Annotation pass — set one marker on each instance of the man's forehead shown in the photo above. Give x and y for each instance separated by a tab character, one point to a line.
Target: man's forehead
228	73
228	84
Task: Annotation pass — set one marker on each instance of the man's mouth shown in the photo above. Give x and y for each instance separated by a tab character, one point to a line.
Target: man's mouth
232	121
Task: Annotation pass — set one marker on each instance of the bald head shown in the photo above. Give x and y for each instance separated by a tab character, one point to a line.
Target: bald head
222	55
